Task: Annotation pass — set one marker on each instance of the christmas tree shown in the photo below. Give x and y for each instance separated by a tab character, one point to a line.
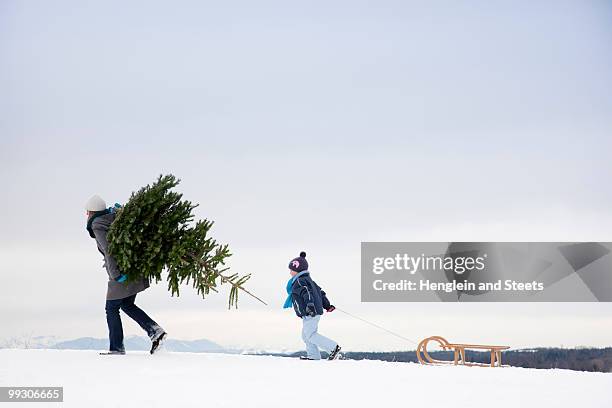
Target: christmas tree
154	234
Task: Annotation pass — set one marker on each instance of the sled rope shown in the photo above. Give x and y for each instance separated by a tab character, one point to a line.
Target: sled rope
376	325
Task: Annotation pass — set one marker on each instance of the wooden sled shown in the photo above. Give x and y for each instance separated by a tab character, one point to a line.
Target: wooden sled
459	352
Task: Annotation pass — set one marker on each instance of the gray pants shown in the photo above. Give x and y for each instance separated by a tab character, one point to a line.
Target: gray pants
314	340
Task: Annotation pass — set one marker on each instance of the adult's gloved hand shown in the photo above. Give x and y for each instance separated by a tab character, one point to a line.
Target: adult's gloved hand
121	278
310	310
331	308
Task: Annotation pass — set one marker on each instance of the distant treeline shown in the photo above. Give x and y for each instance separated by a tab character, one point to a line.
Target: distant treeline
579	359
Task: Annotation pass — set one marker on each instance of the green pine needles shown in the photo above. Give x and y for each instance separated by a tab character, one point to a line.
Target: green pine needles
154	232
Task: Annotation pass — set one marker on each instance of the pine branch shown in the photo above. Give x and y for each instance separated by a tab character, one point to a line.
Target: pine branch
233	280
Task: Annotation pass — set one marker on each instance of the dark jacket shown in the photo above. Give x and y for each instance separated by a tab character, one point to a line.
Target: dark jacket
98	226
305	291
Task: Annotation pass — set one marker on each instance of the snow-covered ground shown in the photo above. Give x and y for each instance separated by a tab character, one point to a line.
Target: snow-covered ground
219	380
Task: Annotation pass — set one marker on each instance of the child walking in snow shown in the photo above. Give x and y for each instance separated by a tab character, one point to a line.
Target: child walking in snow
309	301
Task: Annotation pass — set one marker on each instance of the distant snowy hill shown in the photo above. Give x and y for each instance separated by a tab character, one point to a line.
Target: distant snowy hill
136	343
132	343
200	380
29	342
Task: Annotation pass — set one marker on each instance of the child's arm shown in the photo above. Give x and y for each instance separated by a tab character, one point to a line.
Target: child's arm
326	303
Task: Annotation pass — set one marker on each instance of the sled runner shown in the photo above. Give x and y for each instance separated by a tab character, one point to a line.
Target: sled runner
459	352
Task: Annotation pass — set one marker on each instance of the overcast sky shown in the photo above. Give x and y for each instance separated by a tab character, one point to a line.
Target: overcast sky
310	125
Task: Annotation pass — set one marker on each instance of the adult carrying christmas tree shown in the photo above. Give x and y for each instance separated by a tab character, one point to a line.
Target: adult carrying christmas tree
152	235
120	294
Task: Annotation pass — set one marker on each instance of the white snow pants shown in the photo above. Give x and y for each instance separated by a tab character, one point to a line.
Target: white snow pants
313	339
